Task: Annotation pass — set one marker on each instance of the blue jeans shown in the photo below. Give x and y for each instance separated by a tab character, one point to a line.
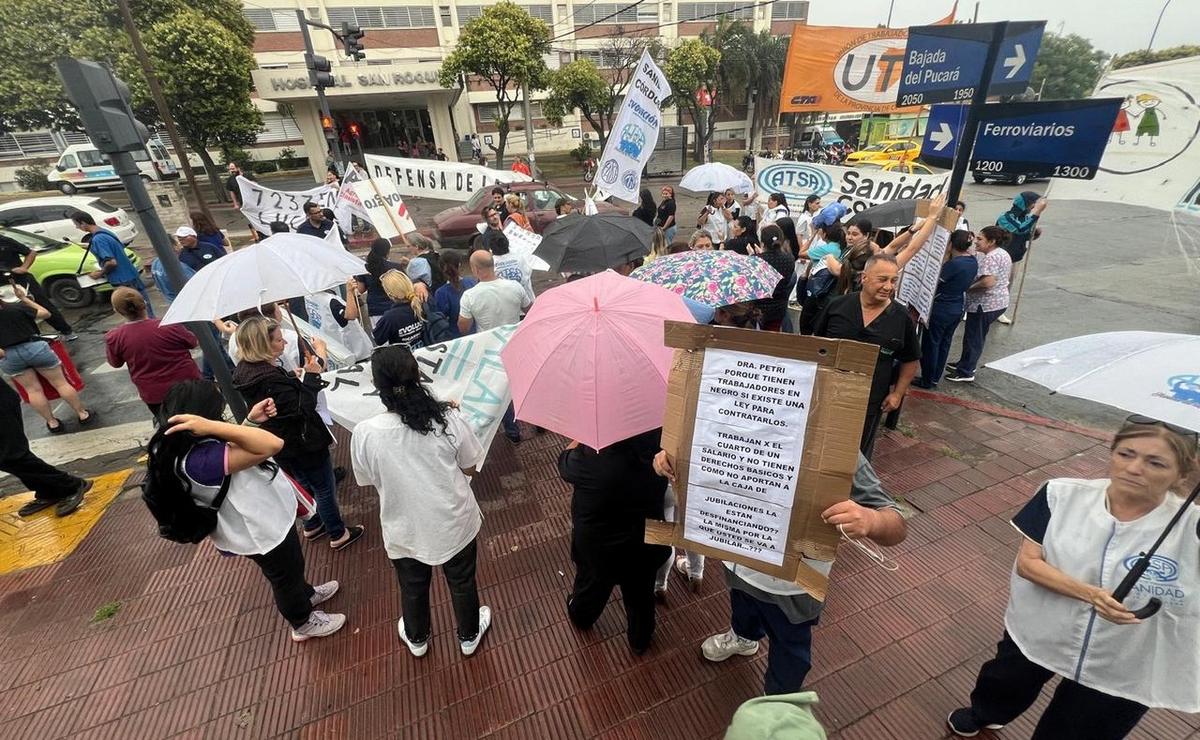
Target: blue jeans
320	482
669	233
509	422
205	367
140	287
789	652
978	323
935	343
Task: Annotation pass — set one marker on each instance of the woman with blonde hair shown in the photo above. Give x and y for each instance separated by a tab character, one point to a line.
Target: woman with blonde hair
404	322
659	246
516	212
158	356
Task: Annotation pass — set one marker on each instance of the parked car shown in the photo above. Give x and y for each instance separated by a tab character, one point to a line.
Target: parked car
1002	178
83	166
455	227
907	168
51	217
888	150
57	265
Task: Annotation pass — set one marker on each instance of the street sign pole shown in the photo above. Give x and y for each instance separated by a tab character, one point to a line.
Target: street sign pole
962	156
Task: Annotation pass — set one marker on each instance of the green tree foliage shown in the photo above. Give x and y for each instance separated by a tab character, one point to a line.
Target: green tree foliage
1069	67
751	70
1140	57
503	47
690	66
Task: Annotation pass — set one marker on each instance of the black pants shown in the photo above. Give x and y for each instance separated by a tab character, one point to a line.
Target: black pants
284	568
415	577
40	297
870	428
598	570
1009	684
47	482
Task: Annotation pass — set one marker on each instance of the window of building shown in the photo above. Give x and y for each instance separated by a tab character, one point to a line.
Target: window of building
278	129
264	19
444	12
608	13
488	112
737	11
390	16
788	11
545	12
563	13
36	142
468	13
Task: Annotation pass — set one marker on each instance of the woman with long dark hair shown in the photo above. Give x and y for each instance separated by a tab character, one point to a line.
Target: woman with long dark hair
647	208
208	233
418	454
306	440
986	299
774	309
665	219
378	264
196	454
712	219
448	298
822	282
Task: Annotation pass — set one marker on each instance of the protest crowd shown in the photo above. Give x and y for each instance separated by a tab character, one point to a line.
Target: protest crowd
267	488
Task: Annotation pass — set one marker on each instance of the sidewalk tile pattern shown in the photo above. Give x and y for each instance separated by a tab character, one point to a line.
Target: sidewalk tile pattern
197	650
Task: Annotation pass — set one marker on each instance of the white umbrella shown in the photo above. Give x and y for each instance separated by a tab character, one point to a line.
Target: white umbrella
716	176
279	267
1154	374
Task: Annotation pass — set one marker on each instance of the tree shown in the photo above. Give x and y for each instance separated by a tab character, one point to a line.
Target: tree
504	48
1140	57
751	65
1068	67
201	51
689	67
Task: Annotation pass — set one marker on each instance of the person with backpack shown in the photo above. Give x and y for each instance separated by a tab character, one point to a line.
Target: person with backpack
209	479
448	298
305	454
419	454
426	266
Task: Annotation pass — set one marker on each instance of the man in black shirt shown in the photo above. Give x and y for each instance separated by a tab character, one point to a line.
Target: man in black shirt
871	316
16	258
498	194
316	225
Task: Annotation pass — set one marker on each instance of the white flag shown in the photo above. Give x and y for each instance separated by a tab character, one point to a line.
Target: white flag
384	207
635	133
348	204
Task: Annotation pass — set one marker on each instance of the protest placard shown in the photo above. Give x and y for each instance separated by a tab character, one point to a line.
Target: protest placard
384	207
858	189
262	206
763	429
522	242
919	278
429	178
465	370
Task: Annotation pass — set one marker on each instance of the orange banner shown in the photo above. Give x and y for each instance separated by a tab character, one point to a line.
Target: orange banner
832	69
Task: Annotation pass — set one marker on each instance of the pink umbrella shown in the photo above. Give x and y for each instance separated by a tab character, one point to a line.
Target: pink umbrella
589	361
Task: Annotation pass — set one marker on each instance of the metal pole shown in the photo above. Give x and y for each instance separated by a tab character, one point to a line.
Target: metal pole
1154	33
140	200
332	144
160	102
533	168
962	157
891	7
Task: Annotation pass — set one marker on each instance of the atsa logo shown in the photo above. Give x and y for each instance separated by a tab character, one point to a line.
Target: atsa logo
610	171
793	179
630	180
1161	569
1185	389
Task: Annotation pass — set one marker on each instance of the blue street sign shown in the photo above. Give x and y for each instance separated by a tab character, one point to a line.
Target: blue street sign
1060	138
943	63
942	132
1014	64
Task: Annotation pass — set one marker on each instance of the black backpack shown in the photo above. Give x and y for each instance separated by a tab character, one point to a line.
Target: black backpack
180	518
437	328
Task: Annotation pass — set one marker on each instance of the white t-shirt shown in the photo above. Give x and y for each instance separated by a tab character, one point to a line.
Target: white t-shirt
511	267
427	510
716	226
493	303
258	510
771	215
751	209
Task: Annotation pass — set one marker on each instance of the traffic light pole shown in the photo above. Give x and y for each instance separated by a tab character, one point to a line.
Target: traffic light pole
331	139
962	155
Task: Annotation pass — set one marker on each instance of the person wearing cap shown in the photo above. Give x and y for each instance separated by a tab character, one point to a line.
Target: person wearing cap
196	254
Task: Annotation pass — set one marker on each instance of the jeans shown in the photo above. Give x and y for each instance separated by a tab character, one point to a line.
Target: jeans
669	233
205	367
511	429
1010	683
321	483
140	287
415	576
935	344
284	568
974	335
789	654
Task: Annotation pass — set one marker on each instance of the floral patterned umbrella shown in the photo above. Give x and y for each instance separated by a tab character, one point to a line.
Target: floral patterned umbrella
714	278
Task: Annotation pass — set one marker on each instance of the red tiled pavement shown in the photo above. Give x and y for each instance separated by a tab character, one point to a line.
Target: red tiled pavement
198	651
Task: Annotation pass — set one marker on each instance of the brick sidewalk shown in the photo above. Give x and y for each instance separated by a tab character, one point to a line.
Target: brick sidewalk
198	650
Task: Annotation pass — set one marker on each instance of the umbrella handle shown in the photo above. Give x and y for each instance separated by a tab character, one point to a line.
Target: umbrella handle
1126	586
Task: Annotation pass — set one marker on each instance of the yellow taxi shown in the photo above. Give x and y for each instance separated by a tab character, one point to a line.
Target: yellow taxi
888	150
904	168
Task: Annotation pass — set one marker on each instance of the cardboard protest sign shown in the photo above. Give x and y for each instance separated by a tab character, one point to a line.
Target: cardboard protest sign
763	429
467	371
522	242
348	204
262	206
429	178
919	278
384	207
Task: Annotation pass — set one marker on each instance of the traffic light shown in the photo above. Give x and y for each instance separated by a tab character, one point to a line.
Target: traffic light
103	102
327	123
319	71
354	131
352	39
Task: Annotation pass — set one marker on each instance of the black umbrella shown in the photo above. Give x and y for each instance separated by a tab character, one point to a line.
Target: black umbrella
1123	590
892	214
579	243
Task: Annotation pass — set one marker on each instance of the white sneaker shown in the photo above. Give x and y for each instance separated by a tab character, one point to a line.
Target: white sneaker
726	645
324	592
485	621
1004	319
417	649
319	624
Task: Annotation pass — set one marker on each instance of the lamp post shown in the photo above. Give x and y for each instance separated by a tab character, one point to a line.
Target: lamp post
1158	22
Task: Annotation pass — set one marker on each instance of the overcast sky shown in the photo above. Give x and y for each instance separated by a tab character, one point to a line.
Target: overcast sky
1115	26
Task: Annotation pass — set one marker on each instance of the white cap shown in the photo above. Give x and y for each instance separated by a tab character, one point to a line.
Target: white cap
183	231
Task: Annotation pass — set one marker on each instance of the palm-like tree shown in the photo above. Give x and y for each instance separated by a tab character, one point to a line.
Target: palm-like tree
751	65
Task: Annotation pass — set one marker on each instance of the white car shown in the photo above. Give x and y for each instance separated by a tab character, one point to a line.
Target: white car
51	217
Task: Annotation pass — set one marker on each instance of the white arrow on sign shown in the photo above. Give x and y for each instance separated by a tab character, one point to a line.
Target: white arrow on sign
1015	62
943	136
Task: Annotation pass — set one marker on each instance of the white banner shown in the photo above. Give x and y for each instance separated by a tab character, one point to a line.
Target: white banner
919	278
858	189
384	207
466	370
429	178
635	132
348	204
261	206
522	242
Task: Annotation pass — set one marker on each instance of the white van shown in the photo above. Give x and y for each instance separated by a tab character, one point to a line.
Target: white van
83	166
